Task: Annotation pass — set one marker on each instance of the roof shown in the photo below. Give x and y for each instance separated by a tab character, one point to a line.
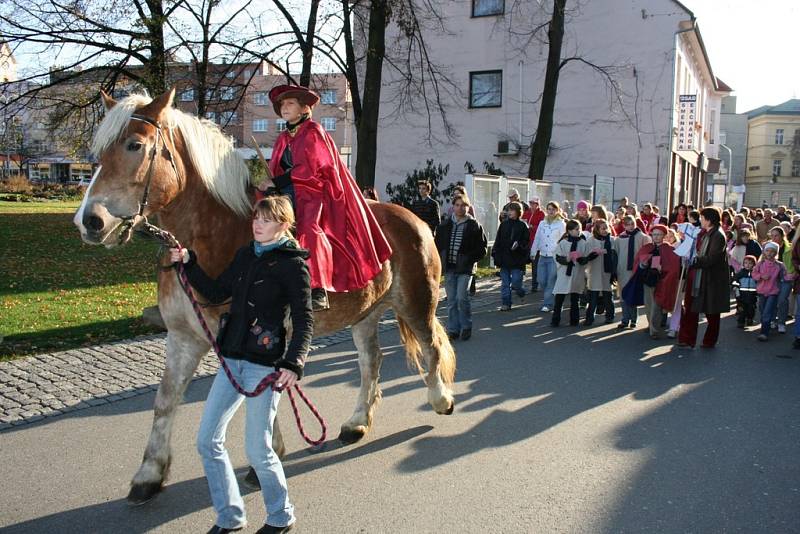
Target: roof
724	87
790	107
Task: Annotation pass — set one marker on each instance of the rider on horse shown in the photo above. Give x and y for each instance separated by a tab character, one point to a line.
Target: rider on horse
334	222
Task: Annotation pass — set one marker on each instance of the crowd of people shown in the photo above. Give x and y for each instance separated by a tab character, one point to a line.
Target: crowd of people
677	266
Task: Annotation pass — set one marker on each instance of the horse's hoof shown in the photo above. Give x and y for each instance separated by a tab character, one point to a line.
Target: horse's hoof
142	493
449	411
349	436
250	480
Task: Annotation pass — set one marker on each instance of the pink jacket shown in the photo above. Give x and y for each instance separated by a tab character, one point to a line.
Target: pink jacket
768	274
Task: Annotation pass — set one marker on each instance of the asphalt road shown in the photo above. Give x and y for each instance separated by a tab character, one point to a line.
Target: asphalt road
570	430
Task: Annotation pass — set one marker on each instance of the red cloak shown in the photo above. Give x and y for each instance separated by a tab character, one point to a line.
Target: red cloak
334	223
667	287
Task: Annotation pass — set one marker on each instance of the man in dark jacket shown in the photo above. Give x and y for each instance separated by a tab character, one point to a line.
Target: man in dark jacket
510	253
425	207
461	243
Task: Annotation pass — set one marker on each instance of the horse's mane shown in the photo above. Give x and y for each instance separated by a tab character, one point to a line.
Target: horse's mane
212	153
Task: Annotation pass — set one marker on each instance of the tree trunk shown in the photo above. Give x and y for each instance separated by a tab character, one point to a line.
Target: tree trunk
544	131
350	64
156	78
367	132
308	48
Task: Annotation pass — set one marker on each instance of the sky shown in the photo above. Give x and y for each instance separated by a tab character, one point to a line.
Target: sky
752	47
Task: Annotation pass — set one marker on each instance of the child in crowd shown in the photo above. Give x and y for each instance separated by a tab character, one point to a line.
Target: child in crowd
571	277
768	274
746	295
694	218
627	245
510	253
601	270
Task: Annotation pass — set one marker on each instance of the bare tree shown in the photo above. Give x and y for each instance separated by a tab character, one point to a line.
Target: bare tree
540	145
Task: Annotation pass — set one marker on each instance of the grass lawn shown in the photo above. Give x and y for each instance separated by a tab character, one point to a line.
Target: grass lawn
57	292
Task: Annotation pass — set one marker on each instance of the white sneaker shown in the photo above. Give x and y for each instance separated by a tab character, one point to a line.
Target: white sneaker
545	309
781	328
671	334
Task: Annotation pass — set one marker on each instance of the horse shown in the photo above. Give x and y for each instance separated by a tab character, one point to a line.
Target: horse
156	161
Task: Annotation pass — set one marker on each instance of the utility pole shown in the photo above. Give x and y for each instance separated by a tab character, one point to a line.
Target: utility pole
730	170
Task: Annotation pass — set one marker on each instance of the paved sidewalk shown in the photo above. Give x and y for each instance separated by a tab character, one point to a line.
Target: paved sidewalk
51	384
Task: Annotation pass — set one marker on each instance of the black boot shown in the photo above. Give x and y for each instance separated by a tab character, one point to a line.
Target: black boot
319	299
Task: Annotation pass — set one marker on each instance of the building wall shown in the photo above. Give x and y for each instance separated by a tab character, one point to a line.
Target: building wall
734	127
762	152
593	133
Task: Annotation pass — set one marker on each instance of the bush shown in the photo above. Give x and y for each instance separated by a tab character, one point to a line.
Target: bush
19	189
407	192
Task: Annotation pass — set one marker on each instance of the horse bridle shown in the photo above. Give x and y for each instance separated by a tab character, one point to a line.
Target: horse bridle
130	222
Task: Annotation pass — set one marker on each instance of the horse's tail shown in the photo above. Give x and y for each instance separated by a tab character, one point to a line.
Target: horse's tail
440	344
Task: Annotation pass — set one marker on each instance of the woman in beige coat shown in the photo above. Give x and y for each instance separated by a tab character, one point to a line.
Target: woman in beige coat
600	270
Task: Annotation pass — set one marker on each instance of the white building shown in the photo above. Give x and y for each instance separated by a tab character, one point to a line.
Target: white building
655	53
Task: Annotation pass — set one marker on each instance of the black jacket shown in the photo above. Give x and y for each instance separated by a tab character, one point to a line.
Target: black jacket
263	290
504	252
428	210
472	250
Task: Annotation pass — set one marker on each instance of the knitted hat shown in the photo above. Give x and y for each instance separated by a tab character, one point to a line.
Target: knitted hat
583	205
536	200
772	245
513	192
660	227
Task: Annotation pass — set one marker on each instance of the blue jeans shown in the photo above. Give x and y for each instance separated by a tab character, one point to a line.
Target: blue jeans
222	403
783	300
510	279
459	309
629	313
546	276
766	306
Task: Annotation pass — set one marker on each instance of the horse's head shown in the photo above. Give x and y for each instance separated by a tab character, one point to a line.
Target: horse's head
139	170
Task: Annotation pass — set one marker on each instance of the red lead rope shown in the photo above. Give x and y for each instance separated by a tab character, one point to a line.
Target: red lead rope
265	382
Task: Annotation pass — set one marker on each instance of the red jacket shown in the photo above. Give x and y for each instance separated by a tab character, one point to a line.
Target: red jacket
666	289
334	222
533	218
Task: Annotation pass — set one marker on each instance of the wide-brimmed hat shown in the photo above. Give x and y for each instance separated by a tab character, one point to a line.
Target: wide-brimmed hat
304	95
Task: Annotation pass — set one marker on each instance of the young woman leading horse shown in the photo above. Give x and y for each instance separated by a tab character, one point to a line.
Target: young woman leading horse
155	159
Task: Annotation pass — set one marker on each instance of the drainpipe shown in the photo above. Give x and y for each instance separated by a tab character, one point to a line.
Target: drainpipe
521	63
672	107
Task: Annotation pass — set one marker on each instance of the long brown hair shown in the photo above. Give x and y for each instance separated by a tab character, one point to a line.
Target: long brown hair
277	209
596	224
571	225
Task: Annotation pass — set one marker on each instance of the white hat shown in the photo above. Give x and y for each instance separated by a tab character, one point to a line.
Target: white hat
772	245
537	200
512	192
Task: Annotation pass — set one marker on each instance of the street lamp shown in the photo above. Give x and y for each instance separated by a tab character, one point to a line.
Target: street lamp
730	169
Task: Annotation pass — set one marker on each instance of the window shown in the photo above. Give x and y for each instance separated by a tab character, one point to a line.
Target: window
328	96
485	8
280	125
226	93
227	117
209	94
776	167
329	123
230	74
260	99
796	168
779	136
486	89
210	115
247	73
187	95
796	140
260	125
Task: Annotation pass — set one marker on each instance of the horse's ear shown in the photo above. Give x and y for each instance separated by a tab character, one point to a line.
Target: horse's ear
108	101
157	106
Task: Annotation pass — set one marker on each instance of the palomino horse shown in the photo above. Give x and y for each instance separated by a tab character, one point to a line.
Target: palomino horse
155	159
